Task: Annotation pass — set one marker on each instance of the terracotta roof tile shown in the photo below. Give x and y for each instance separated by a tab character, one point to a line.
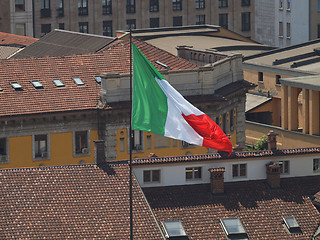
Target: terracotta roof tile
71	97
78	202
259	208
12	39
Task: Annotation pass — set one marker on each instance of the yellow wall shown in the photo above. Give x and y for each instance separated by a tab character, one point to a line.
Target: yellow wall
61	151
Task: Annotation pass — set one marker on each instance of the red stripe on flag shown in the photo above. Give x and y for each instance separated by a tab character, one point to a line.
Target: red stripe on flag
213	136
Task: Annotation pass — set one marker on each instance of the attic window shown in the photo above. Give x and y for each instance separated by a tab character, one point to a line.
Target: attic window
292	225
233	228
78	81
98	79
16	86
173	229
1	89
58	83
37	84
162	64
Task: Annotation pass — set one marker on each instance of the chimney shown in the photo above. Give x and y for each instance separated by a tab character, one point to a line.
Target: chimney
272	140
217	179
273	174
99	152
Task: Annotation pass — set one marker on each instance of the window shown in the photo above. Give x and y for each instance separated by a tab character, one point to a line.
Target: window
82	7
223	3
177	21
245	3
288	30
58	83
260	76
319	29
21	29
131	6
280	29
16	86
232	120
106	7
131	24
41	146
173	229
45	28
60	10
233	228
45	10
288	4
81	142
200	4
78	81
150	176
224	123
200	19
37	84
193	173
154	22
61	26
107	28
3	150
316	164
245	23
281	4
176	5
98	79
154	6
239	170
223	20
83	27
19	5
284	165
292	225
278	79
137	140
318	5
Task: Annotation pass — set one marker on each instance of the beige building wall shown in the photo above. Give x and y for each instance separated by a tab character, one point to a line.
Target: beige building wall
142	15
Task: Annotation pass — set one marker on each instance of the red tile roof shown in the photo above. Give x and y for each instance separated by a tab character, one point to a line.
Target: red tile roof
78	202
259	208
12	39
70	98
234	155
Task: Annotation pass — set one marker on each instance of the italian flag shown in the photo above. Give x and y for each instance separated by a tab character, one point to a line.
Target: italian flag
158	108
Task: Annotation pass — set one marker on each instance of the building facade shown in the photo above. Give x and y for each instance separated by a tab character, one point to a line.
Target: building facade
105	17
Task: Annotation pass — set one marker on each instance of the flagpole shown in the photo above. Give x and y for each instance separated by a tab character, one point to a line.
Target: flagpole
131	135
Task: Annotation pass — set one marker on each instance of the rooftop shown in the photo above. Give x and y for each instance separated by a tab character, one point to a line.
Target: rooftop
8	39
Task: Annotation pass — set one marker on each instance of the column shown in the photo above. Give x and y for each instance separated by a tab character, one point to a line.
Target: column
314	112
292	108
305	111
284	107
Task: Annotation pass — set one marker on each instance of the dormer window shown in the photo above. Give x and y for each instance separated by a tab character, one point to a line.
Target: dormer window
16	86
292	225
173	229
78	81
233	228
58	83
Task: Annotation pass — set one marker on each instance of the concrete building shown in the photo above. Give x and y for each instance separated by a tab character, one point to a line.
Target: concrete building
106	17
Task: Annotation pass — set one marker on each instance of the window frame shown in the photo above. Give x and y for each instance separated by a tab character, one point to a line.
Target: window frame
284	166
278	79
131	22
175	21
222	17
176	5
19	5
106	7
39	155
245	3
82	26
151	173
260	76
280	4
288	30
153	20
200	4
245	21
105	26
318	165
43	26
45	9
288	5
223	3
83	8
199	20
77	153
239	176
4	158
60	9
137	141
131	6
193	171
153	5
280	29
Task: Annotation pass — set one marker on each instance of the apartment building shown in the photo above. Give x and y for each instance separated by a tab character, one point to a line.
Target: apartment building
105	17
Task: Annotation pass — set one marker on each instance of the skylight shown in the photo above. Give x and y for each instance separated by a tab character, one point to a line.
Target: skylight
1	89
98	79
37	84
173	229
78	81
292	224
58	83
233	228
16	86
162	64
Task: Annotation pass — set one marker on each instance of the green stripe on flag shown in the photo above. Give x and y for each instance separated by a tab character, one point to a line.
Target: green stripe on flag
149	103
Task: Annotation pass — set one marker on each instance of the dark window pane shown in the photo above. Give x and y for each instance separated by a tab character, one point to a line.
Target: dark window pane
177	21
200	4
3	146
235	170
223	3
147	176
81	141
245	21
107	28
188	173
154	5
223	20
176	5
243	170
45	28
155	175
131	6
154	22
197	172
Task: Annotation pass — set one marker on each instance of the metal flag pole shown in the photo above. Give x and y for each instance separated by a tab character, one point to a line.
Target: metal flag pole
131	141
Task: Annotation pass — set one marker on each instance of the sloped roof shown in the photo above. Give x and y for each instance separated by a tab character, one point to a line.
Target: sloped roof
9	39
260	209
78	202
7	51
114	59
62	43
